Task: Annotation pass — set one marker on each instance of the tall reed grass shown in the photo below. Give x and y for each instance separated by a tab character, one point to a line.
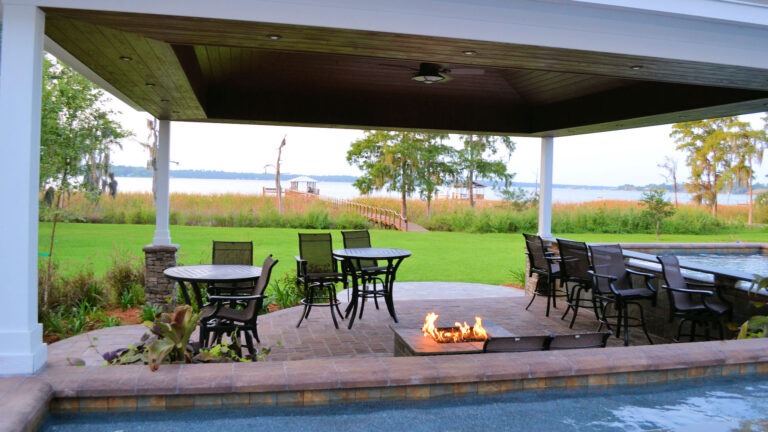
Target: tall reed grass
237	210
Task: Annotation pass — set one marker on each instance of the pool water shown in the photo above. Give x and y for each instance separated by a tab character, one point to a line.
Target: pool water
714	405
750	263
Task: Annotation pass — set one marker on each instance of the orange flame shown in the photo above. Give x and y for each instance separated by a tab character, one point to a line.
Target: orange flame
458	333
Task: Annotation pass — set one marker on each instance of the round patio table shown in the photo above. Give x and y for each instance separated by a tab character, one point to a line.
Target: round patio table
209	274
352	256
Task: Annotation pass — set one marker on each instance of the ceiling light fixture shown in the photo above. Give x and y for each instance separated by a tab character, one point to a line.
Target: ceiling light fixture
126	58
636	67
469	52
430	73
274	37
149	84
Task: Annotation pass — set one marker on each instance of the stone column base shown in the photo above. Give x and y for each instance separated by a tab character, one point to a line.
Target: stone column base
158	289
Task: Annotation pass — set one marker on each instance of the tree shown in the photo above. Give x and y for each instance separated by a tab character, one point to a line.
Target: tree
706	144
475	160
75	140
670	168
405	162
746	148
657	208
434	168
721	154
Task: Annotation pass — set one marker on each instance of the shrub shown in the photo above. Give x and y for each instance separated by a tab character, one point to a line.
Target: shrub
284	292
125	278
68	291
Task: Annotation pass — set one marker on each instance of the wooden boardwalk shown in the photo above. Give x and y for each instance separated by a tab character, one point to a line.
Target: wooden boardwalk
385	218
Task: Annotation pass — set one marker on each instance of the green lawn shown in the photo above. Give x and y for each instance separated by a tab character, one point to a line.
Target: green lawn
437	256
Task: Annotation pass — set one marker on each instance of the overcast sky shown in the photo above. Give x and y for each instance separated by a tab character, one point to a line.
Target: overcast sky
609	159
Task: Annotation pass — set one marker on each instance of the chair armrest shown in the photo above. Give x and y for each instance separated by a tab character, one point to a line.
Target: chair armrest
604	276
236	297
689	291
301	266
706	286
639	273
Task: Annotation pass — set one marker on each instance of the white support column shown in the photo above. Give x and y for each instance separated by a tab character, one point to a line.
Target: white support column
22	350
545	199
162	181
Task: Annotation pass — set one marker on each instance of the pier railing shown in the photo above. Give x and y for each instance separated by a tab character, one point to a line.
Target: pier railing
385	217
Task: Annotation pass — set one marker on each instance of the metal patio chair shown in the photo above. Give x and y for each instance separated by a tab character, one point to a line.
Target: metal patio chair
236	314
368	272
574	267
317	272
546	265
614	285
696	303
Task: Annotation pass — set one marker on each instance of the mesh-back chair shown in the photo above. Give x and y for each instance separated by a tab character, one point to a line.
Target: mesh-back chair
613	285
579	341
516	343
574	268
692	302
232	252
227	319
545	264
317	272
368	272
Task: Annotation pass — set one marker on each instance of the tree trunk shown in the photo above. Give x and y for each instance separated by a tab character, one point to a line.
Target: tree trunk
471	189
749	192
49	264
674	188
403	207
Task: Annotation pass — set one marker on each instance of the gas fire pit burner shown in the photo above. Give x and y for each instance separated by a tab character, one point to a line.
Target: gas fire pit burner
411	341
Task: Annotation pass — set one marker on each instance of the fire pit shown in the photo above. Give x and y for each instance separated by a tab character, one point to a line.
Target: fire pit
456	334
460	339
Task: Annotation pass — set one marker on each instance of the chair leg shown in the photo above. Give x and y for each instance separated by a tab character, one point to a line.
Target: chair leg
532	299
569	294
375	297
307	304
550	295
363	301
249	344
625	314
576	303
642	323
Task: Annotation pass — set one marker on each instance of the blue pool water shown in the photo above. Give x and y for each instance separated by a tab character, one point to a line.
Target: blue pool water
739	404
749	263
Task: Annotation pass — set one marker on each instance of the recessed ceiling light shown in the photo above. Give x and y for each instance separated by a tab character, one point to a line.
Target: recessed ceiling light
469	52
274	37
126	58
636	67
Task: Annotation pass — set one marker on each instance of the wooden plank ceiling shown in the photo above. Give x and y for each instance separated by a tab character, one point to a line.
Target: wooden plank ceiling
227	71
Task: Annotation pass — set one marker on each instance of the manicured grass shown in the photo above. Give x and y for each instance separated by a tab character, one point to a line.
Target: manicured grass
437	256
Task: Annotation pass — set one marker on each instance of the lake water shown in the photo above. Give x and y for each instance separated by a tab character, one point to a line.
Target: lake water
347	191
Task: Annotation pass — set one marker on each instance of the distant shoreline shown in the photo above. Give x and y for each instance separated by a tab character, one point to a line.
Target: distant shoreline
143	172
346	190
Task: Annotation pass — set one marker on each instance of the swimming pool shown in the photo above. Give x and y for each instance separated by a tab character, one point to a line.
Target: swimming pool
721	404
750	263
